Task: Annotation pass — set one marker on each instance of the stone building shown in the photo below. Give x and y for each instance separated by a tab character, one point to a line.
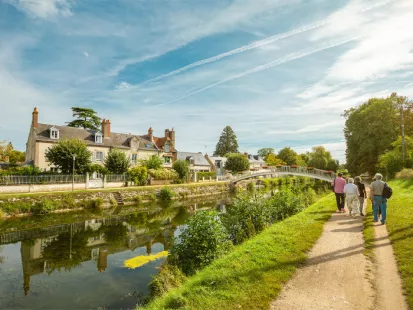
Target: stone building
99	143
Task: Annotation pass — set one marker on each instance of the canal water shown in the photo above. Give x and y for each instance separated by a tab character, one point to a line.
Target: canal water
77	260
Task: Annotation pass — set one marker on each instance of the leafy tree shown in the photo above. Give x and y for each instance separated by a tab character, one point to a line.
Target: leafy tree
138	175
273	160
237	163
117	162
227	143
265	152
17	157
319	157
392	161
153	162
182	168
97	168
288	156
86	118
370	130
61	155
305	158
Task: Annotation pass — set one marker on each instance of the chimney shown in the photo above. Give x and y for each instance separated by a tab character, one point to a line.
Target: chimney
172	136
35	118
246	154
167	133
150	134
106	128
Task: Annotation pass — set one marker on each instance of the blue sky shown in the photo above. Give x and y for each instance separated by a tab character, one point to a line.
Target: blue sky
279	72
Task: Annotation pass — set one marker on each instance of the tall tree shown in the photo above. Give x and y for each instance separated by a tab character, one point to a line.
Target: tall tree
288	156
86	118
227	142
264	152
273	160
392	161
370	130
117	162
237	162
320	158
61	155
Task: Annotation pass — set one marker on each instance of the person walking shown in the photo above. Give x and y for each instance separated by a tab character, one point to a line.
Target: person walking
362	194
376	196
352	197
338	188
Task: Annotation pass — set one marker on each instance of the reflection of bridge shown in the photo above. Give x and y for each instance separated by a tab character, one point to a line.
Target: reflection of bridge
287	170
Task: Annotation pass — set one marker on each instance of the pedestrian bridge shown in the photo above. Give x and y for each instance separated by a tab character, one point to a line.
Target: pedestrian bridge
287	170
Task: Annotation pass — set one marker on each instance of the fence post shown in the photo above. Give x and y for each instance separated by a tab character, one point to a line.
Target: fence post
87	180
104	181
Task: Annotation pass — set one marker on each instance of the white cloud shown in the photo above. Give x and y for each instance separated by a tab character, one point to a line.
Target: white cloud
44	9
86	54
123	85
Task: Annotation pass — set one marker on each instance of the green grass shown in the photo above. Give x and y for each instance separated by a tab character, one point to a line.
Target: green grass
368	232
252	275
400	227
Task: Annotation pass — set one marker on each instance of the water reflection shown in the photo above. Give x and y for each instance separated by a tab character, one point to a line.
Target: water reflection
80	265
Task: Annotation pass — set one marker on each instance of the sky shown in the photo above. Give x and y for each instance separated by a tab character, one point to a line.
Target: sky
279	72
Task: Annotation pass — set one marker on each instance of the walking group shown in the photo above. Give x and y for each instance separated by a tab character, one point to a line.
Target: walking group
353	194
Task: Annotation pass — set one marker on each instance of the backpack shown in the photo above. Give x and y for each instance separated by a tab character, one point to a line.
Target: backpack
387	191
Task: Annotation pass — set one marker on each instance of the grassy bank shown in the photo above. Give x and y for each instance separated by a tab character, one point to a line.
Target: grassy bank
368	231
400	228
251	276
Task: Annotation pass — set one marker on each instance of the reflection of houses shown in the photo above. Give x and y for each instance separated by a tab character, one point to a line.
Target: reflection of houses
197	161
99	143
97	247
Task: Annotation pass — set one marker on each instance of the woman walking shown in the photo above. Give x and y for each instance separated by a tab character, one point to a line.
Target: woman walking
352	195
362	194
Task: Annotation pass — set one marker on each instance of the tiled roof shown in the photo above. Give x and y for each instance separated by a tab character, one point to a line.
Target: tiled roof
160	143
199	159
118	140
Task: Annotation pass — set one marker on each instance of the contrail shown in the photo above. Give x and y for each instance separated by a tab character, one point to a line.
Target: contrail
273	63
259	43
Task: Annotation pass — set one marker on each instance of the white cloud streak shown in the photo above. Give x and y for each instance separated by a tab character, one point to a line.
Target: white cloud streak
43	9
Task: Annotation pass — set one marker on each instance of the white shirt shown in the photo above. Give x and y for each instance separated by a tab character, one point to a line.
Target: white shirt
351	188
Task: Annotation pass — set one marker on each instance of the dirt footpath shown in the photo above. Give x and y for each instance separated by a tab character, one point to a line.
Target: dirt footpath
337	275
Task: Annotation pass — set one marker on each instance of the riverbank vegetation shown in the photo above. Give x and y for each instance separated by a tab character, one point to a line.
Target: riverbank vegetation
265	255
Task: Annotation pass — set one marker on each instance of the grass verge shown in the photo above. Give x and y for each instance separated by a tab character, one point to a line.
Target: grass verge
368	232
251	276
400	227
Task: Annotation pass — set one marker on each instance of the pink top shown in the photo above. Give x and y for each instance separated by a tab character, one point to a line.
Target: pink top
339	185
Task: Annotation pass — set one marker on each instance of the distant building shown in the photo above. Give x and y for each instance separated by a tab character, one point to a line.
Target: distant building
99	143
197	161
217	164
256	162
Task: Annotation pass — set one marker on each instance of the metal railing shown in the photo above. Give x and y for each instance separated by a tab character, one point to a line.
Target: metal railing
116	178
40	179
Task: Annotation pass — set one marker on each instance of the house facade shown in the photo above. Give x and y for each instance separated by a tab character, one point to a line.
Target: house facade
99	143
197	161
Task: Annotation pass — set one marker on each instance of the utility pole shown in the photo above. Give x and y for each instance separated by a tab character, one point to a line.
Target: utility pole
73	173
402	130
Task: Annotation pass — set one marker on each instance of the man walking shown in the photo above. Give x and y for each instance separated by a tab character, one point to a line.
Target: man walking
338	185
376	196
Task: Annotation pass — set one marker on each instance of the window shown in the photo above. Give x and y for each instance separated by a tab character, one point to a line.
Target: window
167	160
54	133
134	157
98	137
167	148
99	156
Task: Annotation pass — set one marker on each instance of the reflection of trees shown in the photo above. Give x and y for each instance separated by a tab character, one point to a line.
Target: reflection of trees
1	257
68	251
114	234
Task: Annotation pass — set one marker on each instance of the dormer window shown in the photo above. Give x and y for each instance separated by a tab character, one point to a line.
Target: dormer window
98	137
167	148
54	133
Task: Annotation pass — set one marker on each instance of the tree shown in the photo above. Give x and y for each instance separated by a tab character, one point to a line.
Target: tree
182	168
17	157
61	155
153	162
86	118
319	157
288	156
273	160
392	161
237	162
265	152
117	162
138	175
227	143
305	158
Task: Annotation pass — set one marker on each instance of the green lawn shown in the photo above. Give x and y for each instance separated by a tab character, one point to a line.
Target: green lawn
369	231
252	275
400	228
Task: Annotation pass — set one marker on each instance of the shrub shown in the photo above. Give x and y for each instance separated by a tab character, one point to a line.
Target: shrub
250	186
44	206
182	168
163	174
137	199
152	197
2	215
237	163
153	162
113	202
138	175
405	174
98	203
165	194
169	277
117	162
69	202
207	175
202	240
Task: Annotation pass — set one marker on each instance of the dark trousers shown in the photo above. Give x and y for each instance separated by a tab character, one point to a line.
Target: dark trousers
340	201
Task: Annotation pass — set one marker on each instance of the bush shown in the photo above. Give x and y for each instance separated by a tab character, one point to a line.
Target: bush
117	162
45	206
97	168
98	203
165	194
137	199
152	197
237	163
169	277
202	240
68	202
163	174
405	174
207	175
113	203
182	168
153	162
138	175
250	186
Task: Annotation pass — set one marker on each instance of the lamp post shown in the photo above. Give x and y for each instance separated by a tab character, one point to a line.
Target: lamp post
73	172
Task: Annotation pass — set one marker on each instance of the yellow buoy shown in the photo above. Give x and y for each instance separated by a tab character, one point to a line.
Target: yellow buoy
141	260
